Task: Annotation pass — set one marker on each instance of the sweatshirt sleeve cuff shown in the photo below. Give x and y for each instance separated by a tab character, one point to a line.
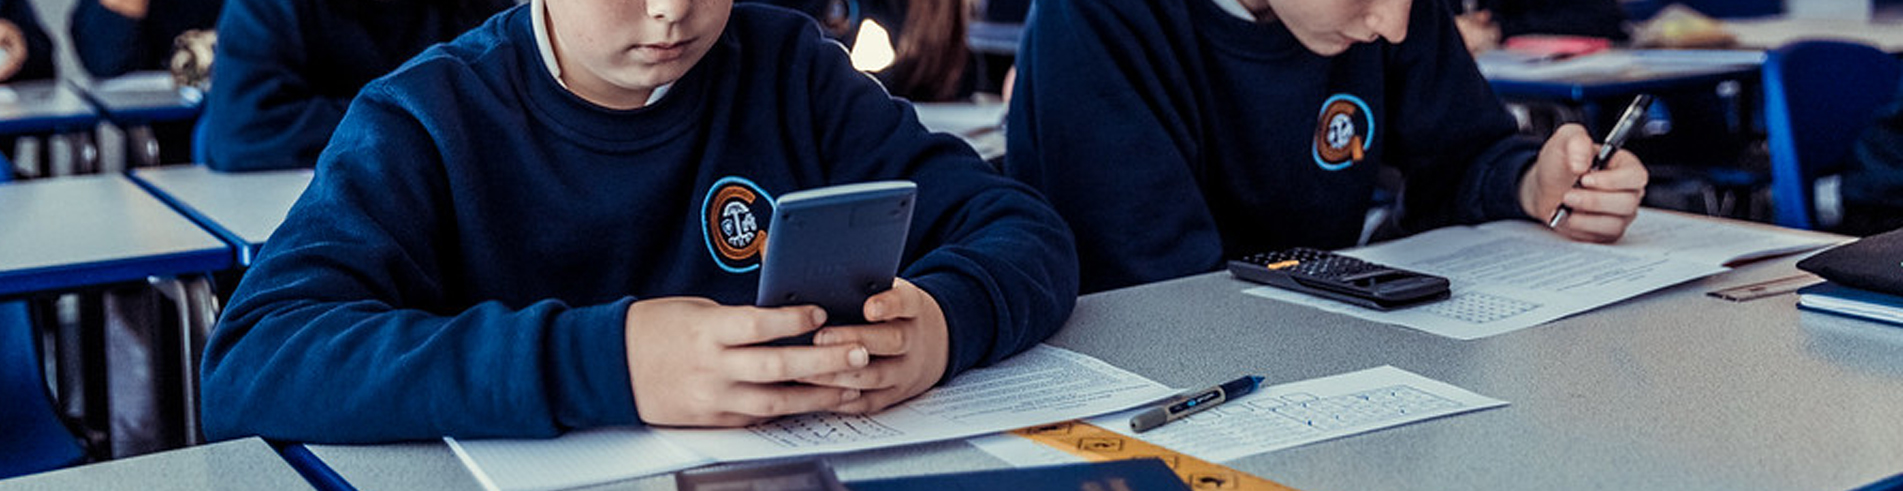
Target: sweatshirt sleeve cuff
588	367
968	320
1502	168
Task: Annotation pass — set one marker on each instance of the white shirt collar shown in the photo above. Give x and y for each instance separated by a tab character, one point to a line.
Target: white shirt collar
547	48
1233	7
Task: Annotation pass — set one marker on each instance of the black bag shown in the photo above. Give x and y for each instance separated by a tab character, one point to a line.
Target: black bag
1874	263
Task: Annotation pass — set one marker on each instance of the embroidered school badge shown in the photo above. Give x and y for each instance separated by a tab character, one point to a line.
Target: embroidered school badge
733	217
1344	133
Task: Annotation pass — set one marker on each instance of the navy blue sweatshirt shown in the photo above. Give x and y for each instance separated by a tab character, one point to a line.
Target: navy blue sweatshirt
1172	135
463	262
110	44
39	47
288	68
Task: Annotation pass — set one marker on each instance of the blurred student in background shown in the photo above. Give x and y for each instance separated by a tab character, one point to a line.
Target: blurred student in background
1873	185
1485	24
286	69
26	53
116	37
1174	135
932	62
113	37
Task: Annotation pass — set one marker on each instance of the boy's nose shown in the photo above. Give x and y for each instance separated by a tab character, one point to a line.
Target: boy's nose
1388	19
669	10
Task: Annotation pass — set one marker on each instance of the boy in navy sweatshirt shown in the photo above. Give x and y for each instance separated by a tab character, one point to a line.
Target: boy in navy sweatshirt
516	233
1174	134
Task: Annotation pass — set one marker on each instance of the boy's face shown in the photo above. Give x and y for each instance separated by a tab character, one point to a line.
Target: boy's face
1329	27
615	52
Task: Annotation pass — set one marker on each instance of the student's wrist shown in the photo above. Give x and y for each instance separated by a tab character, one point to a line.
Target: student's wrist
1529	193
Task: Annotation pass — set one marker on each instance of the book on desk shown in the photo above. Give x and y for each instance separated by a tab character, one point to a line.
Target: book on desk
1864	279
1832	298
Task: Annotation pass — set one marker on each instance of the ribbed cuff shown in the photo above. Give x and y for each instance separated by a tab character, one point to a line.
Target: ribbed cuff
588	357
968	319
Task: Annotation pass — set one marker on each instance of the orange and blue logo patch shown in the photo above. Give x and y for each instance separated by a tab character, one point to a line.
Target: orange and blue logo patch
1343	133
733	222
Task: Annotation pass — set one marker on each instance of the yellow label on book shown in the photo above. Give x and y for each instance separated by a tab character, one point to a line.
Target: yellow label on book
1096	444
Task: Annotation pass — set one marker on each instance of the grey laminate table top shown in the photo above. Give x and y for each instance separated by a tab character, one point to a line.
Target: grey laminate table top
90	230
245	464
1669	390
248	205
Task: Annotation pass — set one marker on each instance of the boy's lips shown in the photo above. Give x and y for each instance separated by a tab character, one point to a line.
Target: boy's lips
663	52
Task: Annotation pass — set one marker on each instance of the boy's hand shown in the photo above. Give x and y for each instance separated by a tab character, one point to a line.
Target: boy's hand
907	333
1606	201
692	363
131	9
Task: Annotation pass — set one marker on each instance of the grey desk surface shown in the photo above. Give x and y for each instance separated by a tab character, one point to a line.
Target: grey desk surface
1670	390
248	204
96	227
236	465
42	106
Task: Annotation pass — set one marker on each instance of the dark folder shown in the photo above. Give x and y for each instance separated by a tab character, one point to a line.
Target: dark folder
1136	474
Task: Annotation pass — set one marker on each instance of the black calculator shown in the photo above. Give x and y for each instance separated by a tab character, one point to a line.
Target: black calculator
1343	278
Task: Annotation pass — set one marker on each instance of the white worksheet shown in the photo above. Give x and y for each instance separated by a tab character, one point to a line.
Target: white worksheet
1277	417
1510	275
1042	385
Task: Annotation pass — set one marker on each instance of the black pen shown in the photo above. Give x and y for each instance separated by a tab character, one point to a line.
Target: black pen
1620	131
1193	402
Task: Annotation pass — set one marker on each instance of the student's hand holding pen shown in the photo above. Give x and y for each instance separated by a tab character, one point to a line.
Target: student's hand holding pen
1602	202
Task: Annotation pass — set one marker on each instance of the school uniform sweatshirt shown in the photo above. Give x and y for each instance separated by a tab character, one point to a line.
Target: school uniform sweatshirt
287	69
463	262
1172	135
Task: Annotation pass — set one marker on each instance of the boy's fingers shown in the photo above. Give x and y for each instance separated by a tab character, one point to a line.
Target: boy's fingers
1608	203
1623	172
768	364
1592	227
881	375
871	401
759	325
780	400
880	340
902	301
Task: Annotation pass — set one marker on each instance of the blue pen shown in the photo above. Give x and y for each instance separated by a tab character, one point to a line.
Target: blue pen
1193	402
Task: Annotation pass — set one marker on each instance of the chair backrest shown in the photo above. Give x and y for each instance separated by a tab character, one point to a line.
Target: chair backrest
1819	96
34	440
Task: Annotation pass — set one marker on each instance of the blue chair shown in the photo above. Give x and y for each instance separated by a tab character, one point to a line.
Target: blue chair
1818	97
35	440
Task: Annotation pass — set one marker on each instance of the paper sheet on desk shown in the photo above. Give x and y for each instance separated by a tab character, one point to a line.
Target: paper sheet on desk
1277	417
1042	385
1511	275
